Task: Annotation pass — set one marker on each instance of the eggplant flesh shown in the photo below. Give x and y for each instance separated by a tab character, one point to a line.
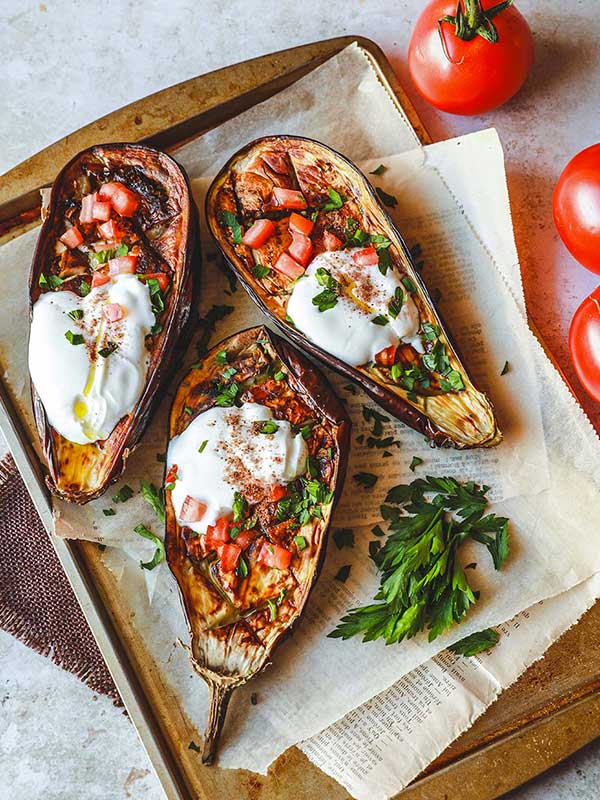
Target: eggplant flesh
163	230
237	619
450	414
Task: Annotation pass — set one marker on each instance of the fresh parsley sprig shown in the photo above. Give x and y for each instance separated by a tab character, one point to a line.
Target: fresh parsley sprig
423	584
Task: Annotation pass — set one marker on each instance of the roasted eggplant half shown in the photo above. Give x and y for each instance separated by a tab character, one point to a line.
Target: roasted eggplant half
258	444
306	234
110	294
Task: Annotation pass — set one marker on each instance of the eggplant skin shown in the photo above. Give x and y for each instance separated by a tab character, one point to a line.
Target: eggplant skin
460	419
228	651
80	473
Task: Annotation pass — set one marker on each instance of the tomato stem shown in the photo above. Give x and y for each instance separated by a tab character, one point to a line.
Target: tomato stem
472	20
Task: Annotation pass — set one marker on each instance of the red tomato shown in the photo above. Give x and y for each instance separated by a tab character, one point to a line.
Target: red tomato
576	207
218	533
99	279
122	265
161	277
192	510
277	492
230	555
112	312
387	357
469	75
109	230
245	538
299	224
301	248
273	555
171	475
584	344
331	241
72	237
258	233
101	211
288	198
123	200
288	266
87	208
367	257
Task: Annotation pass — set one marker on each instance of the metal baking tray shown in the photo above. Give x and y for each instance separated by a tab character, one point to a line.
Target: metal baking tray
551	711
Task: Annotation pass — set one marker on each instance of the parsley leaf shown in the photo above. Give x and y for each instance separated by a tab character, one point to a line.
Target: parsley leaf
84	288
343	537
259	271
232	222
76	314
475	643
378	170
380	319
125	493
159	553
366	479
505	368
336	200
74	338
343	573
110	348
387	199
415	463
151	494
268	426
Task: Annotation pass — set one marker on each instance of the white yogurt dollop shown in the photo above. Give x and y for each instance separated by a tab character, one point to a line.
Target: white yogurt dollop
83	393
236	457
347	330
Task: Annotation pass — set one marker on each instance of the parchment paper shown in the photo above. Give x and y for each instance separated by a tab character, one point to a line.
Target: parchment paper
548	531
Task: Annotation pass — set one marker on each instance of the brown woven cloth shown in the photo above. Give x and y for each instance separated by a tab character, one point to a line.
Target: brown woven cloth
37	604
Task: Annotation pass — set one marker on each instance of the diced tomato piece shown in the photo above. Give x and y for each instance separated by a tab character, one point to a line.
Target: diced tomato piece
87	208
277	492
113	312
192	510
273	555
171	475
72	237
123	200
101	210
122	265
161	277
286	265
99	279
245	538
387	357
258	233
218	533
288	198
301	248
366	257
299	224
331	241
110	230
230	555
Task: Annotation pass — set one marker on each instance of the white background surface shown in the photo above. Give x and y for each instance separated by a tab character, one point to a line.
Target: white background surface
64	64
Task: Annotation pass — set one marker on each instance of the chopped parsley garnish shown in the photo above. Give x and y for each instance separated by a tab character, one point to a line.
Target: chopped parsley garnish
300	542
475	643
254	698
268	427
279	375
43	281
431	332
378	170
380	241
110	348
409	285
108	512
121	250
242	568
84	288
306	430
221	357
74	338
289	320
377	530
354	233
161	457
76	314
188	410
227	395
202	446
152	495
415	463
228	373
260	271
366	479
51	282
208	324
422	582
272	608
232	222
343	537
335	200
380	319
378	419
452	382
125	493
159	553
385	261
193	746
505	368
343	573
300	505
329	296
239	506
387	199
156	329
395	304
156	296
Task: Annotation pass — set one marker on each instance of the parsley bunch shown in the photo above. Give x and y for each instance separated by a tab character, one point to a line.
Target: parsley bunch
423	584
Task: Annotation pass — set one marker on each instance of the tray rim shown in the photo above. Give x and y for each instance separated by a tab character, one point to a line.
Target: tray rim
70	552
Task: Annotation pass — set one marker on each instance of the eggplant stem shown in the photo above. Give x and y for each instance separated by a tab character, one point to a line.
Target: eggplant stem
219	697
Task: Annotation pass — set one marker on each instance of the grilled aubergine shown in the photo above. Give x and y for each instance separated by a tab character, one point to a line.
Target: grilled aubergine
257	453
304	231
110	293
